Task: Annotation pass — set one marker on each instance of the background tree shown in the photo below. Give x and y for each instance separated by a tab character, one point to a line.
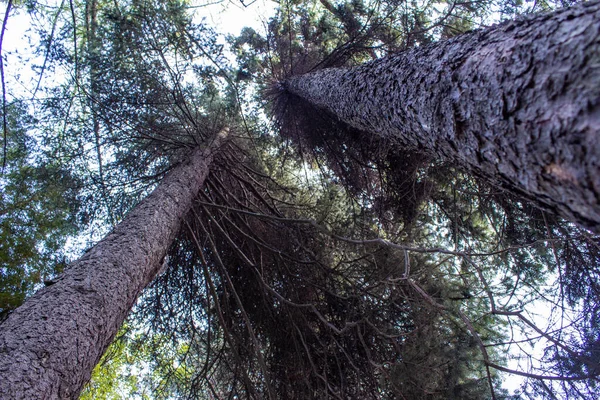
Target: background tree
39	204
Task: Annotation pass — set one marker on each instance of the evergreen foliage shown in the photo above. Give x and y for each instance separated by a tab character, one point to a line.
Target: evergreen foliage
38	211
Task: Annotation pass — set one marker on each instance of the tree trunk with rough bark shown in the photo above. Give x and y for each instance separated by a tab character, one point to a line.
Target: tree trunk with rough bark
49	345
518	103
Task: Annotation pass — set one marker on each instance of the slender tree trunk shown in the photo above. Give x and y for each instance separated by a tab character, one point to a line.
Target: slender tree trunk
93	55
49	345
518	103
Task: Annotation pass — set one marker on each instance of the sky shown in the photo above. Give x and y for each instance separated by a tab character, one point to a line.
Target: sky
227	17
230	16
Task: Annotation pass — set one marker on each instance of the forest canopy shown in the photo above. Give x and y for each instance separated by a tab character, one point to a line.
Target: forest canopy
316	259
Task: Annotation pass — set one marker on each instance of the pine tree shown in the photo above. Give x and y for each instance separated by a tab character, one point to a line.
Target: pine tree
497	102
52	342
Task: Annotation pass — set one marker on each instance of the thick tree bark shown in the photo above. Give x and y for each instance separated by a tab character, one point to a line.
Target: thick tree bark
518	103
49	345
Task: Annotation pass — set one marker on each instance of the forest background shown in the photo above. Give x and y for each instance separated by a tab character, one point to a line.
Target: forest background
316	262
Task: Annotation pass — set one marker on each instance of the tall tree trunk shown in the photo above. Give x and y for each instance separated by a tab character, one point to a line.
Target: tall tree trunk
518	103
93	58
49	345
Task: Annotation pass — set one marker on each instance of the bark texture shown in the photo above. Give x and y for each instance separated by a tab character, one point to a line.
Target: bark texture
49	345
518	103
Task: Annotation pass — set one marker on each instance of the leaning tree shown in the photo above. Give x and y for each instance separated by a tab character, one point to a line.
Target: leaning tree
516	104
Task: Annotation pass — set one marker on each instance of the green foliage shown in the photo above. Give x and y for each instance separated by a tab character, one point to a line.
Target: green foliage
138	365
38	209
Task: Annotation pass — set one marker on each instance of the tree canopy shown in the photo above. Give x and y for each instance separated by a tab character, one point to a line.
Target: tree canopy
314	263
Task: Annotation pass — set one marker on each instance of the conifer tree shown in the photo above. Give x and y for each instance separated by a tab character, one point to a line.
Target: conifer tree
500	102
